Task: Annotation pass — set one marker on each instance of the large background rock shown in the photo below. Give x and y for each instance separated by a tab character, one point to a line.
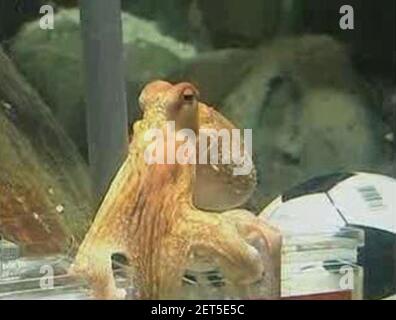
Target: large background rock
228	26
51	61
213	24
309	113
173	17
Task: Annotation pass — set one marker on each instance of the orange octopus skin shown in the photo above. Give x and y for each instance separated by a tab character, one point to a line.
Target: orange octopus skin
215	187
148	215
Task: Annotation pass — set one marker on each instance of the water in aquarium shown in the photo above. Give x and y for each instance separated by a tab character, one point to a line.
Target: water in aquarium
197	149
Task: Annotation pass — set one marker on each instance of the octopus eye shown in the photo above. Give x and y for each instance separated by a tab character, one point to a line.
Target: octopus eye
188	95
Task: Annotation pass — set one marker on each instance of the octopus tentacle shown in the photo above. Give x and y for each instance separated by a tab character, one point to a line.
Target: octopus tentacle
214	236
252	227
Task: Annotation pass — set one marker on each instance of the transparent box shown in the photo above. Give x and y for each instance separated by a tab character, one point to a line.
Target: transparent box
323	265
314	266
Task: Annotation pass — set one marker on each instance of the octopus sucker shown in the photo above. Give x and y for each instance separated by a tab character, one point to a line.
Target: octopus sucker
149	215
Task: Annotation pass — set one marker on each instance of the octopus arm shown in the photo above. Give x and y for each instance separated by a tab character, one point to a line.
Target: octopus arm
211	235
108	234
254	230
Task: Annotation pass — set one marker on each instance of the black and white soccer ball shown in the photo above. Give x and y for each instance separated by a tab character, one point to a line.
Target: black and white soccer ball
362	200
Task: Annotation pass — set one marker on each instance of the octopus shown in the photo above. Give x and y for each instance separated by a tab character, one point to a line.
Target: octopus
149	216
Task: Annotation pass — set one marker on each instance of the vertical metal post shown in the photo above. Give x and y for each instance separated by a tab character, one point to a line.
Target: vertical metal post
1	257
105	89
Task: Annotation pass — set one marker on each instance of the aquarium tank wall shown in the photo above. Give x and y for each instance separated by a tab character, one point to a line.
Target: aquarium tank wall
302	91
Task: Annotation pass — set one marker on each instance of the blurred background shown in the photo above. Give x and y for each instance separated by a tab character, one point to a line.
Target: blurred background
318	98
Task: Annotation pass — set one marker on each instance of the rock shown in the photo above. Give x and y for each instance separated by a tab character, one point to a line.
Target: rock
308	114
181	19
52	61
220	23
171	16
235	23
45	192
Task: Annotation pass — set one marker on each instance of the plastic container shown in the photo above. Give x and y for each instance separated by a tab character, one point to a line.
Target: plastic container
314	266
322	266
